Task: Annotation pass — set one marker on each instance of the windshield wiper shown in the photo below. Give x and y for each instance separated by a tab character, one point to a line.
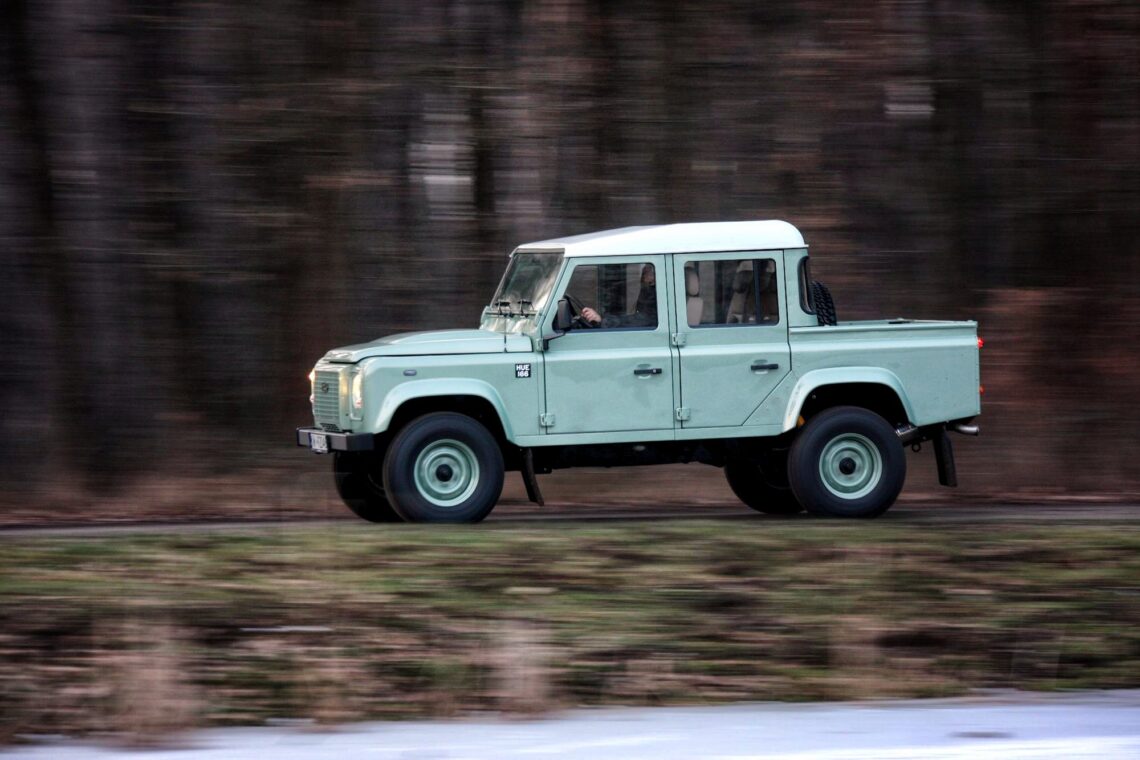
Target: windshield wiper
503	308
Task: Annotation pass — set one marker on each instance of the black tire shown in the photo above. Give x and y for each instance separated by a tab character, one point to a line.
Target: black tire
824	304
460	470
847	462
762	485
360	485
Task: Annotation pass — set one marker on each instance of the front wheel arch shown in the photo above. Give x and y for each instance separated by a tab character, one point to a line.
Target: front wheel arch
477	408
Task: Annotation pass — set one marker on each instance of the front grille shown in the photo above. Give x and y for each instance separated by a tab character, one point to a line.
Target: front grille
326	397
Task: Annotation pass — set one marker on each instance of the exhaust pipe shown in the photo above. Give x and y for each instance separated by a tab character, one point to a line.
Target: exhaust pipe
907	433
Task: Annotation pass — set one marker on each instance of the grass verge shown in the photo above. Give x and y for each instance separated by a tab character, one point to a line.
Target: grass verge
149	634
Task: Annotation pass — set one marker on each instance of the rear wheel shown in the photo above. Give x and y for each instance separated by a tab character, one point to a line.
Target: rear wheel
361	488
847	462
763	484
444	467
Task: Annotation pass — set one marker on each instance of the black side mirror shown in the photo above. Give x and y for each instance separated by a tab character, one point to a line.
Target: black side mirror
561	324
562	317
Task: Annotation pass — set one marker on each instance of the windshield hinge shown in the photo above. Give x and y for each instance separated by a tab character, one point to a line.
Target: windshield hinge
678	339
682	413
546	420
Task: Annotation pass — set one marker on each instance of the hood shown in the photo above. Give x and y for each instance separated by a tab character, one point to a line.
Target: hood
423	344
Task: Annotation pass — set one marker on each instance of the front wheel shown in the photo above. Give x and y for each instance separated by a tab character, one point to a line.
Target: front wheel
847	462
444	467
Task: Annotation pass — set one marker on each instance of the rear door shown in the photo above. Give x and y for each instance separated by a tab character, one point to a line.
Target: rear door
732	334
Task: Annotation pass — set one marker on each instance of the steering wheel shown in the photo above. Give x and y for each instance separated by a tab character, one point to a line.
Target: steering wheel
577	321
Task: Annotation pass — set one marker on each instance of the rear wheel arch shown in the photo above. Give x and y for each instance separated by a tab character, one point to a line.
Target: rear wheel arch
879	398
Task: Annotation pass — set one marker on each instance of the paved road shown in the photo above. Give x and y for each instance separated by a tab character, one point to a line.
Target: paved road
1100	725
946	514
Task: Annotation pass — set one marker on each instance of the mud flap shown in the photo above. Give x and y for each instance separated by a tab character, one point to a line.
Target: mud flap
944	455
530	480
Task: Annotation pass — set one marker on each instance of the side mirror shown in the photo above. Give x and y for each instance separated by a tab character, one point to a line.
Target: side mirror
562	318
562	322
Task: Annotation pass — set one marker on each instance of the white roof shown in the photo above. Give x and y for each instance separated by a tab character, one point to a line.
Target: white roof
677	238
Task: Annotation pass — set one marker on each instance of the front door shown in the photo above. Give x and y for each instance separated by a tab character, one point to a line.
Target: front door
733	329
613	371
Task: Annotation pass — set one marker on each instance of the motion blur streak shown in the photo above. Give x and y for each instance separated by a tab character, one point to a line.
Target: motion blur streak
198	198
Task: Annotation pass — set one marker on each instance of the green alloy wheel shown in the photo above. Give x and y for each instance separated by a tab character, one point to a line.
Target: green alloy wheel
446	472
850	466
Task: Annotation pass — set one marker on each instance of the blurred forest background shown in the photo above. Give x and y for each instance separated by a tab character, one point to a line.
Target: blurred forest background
197	199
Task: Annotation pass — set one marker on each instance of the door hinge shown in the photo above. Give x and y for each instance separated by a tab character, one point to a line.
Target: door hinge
546	420
682	413
678	339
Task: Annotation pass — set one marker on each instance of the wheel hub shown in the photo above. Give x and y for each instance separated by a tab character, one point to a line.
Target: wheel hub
850	466
446	472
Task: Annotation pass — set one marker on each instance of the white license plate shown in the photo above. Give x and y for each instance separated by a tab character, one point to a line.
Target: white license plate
319	443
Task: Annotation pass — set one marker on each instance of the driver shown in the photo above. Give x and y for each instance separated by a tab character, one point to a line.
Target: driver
644	313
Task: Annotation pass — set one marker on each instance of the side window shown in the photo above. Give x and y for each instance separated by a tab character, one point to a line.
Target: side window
613	296
731	292
583	286
805	287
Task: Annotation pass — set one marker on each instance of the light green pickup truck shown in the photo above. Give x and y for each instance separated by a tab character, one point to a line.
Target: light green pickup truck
677	343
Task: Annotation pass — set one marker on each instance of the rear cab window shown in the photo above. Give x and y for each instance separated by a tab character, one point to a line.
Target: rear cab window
727	292
806	302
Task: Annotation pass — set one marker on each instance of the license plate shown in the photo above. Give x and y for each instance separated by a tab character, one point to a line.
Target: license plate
319	443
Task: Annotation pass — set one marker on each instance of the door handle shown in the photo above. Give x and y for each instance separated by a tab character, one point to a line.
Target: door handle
644	371
758	367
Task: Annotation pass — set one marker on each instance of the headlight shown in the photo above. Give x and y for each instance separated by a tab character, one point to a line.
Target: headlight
312	390
358	390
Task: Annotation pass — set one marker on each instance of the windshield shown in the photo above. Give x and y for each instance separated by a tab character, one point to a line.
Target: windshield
527	284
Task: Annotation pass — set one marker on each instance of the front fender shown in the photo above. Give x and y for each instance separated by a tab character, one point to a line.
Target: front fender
417	389
818	378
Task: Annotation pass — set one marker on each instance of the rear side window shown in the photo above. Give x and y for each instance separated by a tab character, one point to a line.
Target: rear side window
731	292
805	286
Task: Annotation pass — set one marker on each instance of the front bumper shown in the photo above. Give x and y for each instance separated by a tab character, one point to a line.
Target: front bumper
336	441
